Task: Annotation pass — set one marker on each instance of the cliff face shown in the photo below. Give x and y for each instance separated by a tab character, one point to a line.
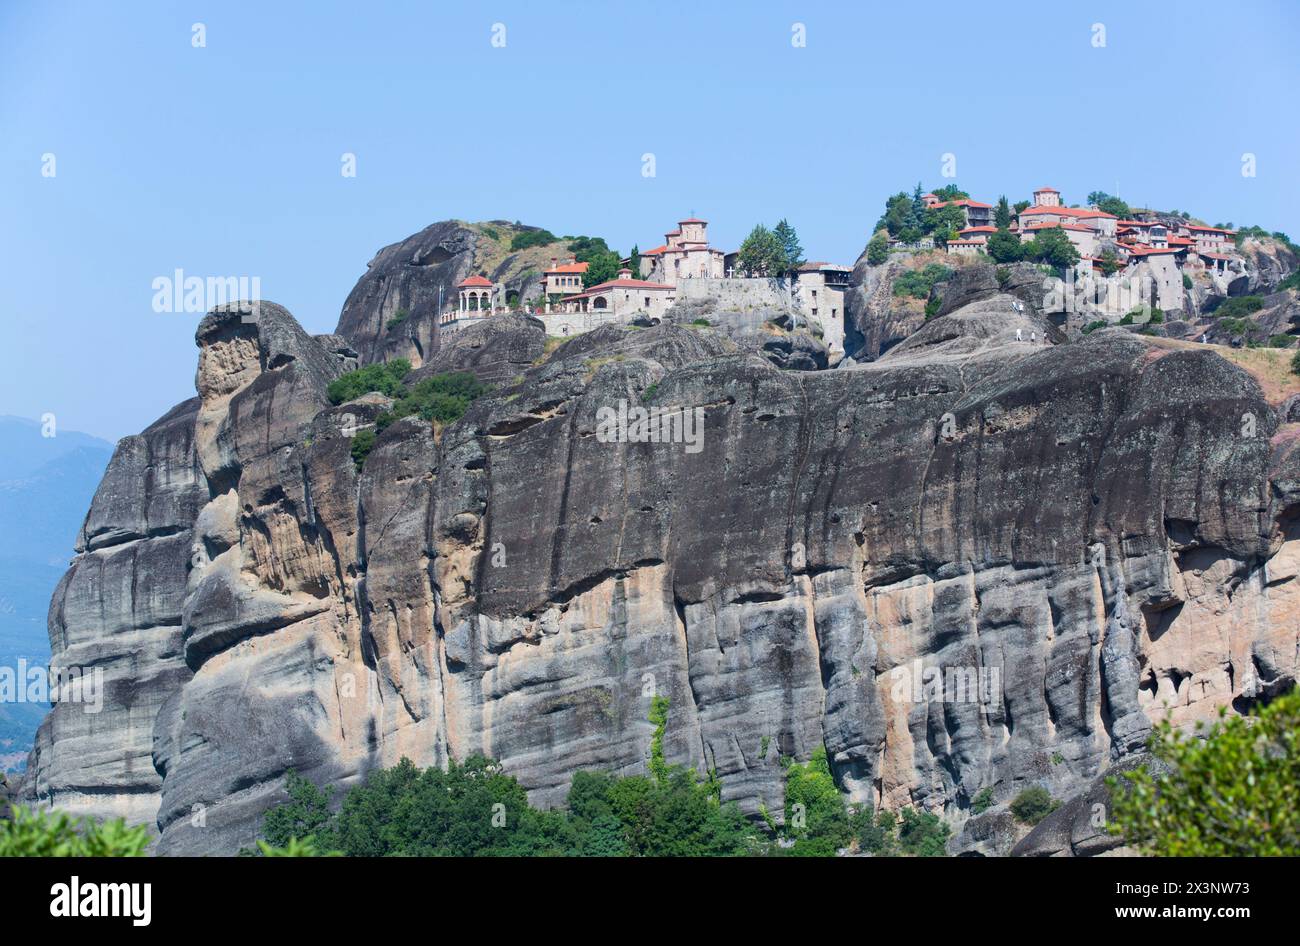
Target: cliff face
1092	531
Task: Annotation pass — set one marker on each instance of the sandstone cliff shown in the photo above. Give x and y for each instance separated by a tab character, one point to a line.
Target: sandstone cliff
1107	529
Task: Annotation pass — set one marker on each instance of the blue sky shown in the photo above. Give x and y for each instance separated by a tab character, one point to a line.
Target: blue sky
225	160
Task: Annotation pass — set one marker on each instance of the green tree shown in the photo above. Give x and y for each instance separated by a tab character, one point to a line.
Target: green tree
1108	204
923	834
950	192
306	815
1002	215
789	240
815	815
1005	247
441	397
1230	790
944	222
877	832
918	207
385	378
634	263
295	848
878	248
601	268
28	833
471	809
1053	247
898	215
761	253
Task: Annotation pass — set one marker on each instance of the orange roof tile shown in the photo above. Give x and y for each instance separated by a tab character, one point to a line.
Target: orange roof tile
569	268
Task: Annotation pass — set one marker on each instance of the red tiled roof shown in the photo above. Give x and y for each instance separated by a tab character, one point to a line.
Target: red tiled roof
474	281
617	284
1058	226
1047	190
1148	250
1215	255
569	268
978	230
963	202
1210	229
656	251
1066	212
691	220
965	243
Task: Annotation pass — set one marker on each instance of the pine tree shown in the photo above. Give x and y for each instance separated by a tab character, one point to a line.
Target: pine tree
918	208
789	240
1002	216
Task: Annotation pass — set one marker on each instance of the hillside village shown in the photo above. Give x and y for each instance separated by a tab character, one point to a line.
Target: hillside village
684	268
1149	245
1101	264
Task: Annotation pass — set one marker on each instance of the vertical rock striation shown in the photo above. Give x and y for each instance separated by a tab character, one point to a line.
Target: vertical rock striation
1078	537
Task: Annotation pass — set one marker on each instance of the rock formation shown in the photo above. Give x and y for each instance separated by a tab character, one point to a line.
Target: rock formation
1078	536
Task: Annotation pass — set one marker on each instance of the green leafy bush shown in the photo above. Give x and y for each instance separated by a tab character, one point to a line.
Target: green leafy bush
1033	805
878	248
362	443
55	834
400	316
815	815
911	833
295	848
1053	247
1239	307
522	241
983	800
1093	326
385	378
917	283
1232	790
474	809
923	834
441	397
1295	363
1281	341
1005	247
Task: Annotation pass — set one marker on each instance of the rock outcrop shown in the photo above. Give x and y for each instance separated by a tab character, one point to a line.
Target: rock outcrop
407	277
1076	537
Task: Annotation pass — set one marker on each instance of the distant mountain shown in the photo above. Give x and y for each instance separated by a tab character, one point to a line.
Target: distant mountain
46	484
23	450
